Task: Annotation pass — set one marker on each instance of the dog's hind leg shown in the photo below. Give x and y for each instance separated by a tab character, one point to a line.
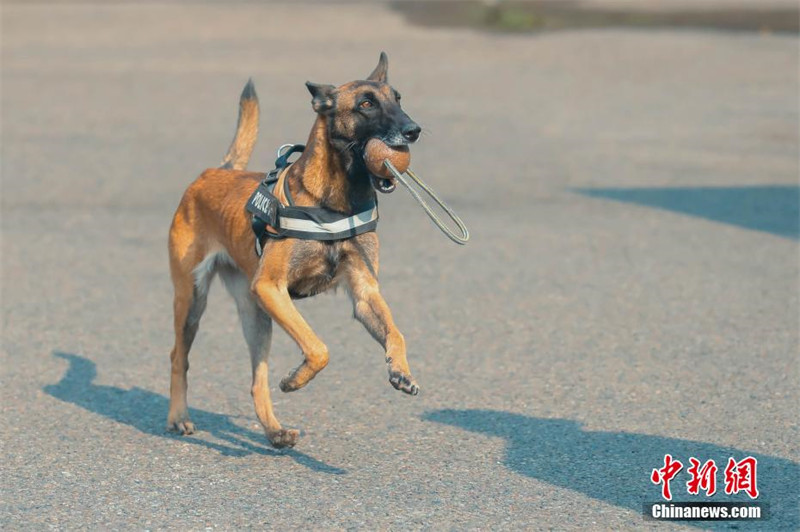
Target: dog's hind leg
257	329
191	293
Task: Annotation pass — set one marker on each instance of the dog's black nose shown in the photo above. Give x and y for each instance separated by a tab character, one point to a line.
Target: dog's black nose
411	132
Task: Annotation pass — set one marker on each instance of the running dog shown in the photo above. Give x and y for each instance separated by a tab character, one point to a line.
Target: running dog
211	234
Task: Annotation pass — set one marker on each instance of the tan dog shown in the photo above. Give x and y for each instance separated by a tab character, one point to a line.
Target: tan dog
211	234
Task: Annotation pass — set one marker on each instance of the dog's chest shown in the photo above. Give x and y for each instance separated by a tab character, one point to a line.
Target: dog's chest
314	267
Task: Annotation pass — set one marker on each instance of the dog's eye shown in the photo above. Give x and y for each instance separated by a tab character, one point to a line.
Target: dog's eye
397	96
366	104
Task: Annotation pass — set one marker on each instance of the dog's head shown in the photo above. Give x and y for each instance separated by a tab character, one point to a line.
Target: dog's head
361	110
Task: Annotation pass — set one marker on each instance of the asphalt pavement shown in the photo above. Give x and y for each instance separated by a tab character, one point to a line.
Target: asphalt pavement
630	290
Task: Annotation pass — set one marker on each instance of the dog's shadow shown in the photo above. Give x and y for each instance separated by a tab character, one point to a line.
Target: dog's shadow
615	467
146	411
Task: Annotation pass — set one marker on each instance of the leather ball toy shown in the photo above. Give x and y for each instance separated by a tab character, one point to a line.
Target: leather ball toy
376	151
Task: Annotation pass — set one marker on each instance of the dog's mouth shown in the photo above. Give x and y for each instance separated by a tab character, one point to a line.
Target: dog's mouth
383	184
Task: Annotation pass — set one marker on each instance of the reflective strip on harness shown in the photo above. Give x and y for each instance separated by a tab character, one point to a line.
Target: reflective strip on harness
299	224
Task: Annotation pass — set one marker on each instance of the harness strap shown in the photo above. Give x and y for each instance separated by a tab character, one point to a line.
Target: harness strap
281	193
314	223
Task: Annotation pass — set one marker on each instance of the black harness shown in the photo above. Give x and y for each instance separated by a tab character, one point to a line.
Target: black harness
307	223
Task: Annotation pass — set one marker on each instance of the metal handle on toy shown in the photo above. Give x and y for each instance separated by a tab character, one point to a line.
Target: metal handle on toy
458	239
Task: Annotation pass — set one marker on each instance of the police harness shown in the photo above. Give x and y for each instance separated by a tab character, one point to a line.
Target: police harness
272	219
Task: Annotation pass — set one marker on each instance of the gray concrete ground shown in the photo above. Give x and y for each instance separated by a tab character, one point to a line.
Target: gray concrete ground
631	288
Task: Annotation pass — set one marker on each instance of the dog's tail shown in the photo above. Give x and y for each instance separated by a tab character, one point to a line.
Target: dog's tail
246	130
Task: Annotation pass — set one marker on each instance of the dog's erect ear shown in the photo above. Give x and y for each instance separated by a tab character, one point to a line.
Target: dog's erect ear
322	96
380	73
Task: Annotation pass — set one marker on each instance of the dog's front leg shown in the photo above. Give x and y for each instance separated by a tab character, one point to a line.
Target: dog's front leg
274	298
372	311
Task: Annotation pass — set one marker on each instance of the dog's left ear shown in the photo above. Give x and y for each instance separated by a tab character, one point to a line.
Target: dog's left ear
380	74
322	96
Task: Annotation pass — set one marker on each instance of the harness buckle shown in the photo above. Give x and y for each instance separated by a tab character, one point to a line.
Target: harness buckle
286	151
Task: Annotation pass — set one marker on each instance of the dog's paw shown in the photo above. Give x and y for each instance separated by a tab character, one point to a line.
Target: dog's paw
289	384
404	383
284	438
298	378
182	427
